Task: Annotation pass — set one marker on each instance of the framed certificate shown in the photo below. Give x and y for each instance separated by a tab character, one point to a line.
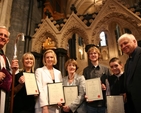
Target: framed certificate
71	93
55	93
93	89
30	83
115	104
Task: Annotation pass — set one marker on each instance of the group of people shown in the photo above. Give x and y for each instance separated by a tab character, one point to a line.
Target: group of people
121	82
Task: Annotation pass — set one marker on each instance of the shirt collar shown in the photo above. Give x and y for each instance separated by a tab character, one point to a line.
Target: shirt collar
92	66
119	74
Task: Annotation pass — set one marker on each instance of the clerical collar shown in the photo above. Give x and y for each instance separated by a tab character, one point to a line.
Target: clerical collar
119	74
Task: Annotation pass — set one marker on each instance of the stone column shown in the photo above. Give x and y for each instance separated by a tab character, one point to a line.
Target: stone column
61	56
27	44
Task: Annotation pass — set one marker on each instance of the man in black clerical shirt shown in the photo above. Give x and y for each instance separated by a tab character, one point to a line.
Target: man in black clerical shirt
132	71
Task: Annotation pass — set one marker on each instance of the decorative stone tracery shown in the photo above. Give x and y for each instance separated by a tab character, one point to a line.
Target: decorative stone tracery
102	22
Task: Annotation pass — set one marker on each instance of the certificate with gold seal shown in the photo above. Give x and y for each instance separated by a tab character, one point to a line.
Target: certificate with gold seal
71	93
93	89
55	93
30	83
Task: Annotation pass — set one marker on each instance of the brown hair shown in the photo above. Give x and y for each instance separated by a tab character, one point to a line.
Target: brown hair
94	49
71	61
114	59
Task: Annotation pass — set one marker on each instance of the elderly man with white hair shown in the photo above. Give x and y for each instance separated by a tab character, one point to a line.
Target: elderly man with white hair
132	83
4	63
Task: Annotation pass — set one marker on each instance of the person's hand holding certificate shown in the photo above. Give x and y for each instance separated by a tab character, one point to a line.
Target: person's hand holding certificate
71	93
55	93
93	89
30	84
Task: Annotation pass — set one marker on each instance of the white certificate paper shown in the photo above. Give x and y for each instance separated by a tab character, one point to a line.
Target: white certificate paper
93	89
30	84
115	104
71	93
55	93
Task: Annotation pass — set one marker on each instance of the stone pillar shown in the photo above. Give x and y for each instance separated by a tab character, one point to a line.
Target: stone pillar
38	59
61	57
27	44
72	47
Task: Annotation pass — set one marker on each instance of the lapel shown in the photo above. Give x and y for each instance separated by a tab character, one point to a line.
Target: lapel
135	62
75	82
65	80
47	72
126	69
76	79
56	75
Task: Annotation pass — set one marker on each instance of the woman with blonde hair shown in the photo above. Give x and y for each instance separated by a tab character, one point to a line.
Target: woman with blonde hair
24	103
44	75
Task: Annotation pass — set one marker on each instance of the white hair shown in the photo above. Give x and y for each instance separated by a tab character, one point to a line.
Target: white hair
3	27
127	36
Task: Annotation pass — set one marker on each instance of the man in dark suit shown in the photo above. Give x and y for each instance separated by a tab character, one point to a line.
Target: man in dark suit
132	71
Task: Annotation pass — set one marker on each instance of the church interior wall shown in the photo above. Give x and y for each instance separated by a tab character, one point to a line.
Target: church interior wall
30	21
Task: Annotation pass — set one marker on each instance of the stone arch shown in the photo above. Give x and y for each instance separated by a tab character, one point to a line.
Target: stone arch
122	19
69	32
39	38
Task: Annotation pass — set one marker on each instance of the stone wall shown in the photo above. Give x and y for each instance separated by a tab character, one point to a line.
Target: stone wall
25	15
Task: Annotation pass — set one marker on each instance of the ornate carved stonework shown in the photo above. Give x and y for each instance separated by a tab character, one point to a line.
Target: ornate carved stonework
49	44
111	14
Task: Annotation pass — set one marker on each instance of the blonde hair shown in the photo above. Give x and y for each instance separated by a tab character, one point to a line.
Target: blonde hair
71	61
3	27
94	49
54	55
30	55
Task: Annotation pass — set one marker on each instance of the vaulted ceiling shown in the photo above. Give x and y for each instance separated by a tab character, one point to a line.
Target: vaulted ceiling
63	7
84	6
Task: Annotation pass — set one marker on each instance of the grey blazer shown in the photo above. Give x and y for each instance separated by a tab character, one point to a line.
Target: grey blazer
79	80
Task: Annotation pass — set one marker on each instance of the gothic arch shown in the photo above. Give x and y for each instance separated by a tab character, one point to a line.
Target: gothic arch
122	19
38	40
69	32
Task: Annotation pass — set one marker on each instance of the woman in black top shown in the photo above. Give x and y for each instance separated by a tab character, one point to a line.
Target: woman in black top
24	103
